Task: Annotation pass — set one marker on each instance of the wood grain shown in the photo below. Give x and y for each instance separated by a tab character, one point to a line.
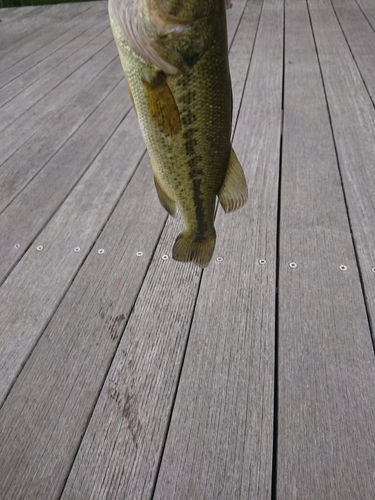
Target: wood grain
48	65
15	110
35	25
326	365
42	46
360	36
353	116
17	172
29	212
46	413
28	302
368	8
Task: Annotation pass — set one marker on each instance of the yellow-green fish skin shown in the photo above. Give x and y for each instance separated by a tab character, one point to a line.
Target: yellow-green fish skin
185	117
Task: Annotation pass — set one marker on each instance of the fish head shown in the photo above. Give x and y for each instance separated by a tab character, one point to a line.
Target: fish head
169	34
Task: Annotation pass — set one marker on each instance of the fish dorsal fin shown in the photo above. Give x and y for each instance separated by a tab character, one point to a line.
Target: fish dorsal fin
162	106
165	200
233	193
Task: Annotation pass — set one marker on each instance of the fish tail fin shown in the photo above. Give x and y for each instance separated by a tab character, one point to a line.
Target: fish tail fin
189	248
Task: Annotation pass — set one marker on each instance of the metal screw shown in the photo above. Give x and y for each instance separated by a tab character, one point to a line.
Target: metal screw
262	262
139	254
343	267
76	249
39	248
101	251
373	269
17	245
292	265
165	257
219	259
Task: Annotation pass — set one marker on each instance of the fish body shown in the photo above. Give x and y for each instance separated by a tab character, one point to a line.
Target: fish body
175	57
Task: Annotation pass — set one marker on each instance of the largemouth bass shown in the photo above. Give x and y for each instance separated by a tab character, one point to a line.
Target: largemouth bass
174	55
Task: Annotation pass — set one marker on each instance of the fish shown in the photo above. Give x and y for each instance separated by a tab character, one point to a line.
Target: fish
174	54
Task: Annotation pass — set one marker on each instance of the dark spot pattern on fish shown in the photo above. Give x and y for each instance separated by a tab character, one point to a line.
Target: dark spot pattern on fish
188	97
202	225
188	118
190	142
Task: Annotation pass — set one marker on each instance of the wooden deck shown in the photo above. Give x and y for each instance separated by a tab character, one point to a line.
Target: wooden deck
127	375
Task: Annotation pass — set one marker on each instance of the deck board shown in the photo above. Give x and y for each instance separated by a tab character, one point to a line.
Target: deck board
124	374
29	70
325	443
361	38
37	202
353	115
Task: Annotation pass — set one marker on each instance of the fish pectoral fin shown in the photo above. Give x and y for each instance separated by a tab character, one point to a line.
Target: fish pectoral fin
162	106
165	200
188	248
233	193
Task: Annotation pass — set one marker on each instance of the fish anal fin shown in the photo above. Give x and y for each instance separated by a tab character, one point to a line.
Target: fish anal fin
188	248
233	193
165	200
162	106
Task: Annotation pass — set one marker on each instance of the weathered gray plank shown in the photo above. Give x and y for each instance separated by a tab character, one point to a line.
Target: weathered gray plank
35	23
10	13
368	8
30	19
46	413
50	54
220	440
122	447
326	375
47	71
361	38
38	115
240	52
12	54
353	120
27	161
28	300
234	15
33	93
29	212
